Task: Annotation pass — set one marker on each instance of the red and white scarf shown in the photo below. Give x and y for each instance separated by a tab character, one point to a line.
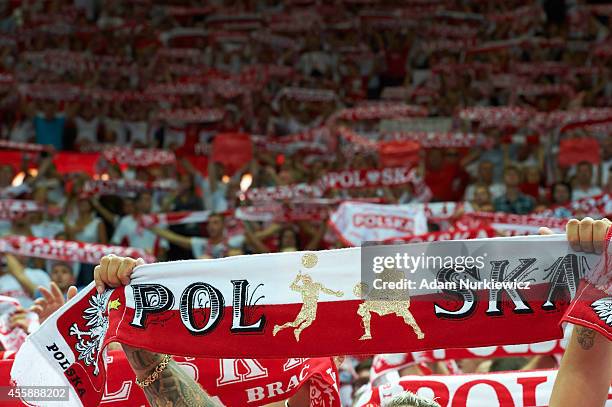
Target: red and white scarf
17	208
195	115
125	186
455	234
31	147
139	157
441	139
308	94
284	192
66	250
290	212
381	110
173	218
11	338
505	389
512	225
369	178
254	306
344	180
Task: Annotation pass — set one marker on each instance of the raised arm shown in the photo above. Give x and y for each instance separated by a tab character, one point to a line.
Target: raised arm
164	382
16	269
107	215
253	239
174	238
586	370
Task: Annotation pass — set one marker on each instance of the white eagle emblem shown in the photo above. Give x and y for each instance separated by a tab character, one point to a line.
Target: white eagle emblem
603	308
97	322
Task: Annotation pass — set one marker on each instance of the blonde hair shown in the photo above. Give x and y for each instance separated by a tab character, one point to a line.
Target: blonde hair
408	399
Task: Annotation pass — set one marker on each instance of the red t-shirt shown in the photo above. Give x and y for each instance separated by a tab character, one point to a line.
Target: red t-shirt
396	63
448	183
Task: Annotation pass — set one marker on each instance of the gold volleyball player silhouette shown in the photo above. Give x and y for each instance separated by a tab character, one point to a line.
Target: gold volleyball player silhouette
385	302
310	291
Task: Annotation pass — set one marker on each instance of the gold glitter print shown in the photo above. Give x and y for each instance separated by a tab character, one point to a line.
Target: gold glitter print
310	291
385	302
309	260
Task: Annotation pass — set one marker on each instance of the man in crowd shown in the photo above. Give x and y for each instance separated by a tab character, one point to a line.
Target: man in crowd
129	232
485	178
513	200
583	187
215	246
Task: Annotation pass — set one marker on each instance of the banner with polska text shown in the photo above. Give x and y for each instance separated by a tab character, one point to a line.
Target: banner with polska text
510	290
503	389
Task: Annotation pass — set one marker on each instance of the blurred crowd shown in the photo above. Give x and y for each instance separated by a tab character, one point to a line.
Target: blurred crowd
510	110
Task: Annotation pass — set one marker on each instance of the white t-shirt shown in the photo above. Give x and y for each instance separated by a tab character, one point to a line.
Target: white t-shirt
496	190
137	236
10	287
138	132
89	233
22	132
579	193
213	201
47	229
87	130
117	127
174	136
5	227
200	246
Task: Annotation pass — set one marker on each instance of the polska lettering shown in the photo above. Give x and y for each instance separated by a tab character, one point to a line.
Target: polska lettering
155	298
369	178
65	364
564	275
376	221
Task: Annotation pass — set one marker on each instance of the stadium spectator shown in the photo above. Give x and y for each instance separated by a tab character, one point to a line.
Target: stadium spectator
129	232
485	178
513	200
583	185
21	282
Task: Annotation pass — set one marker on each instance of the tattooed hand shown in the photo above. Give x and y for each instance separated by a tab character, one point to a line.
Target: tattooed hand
586	368
174	387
